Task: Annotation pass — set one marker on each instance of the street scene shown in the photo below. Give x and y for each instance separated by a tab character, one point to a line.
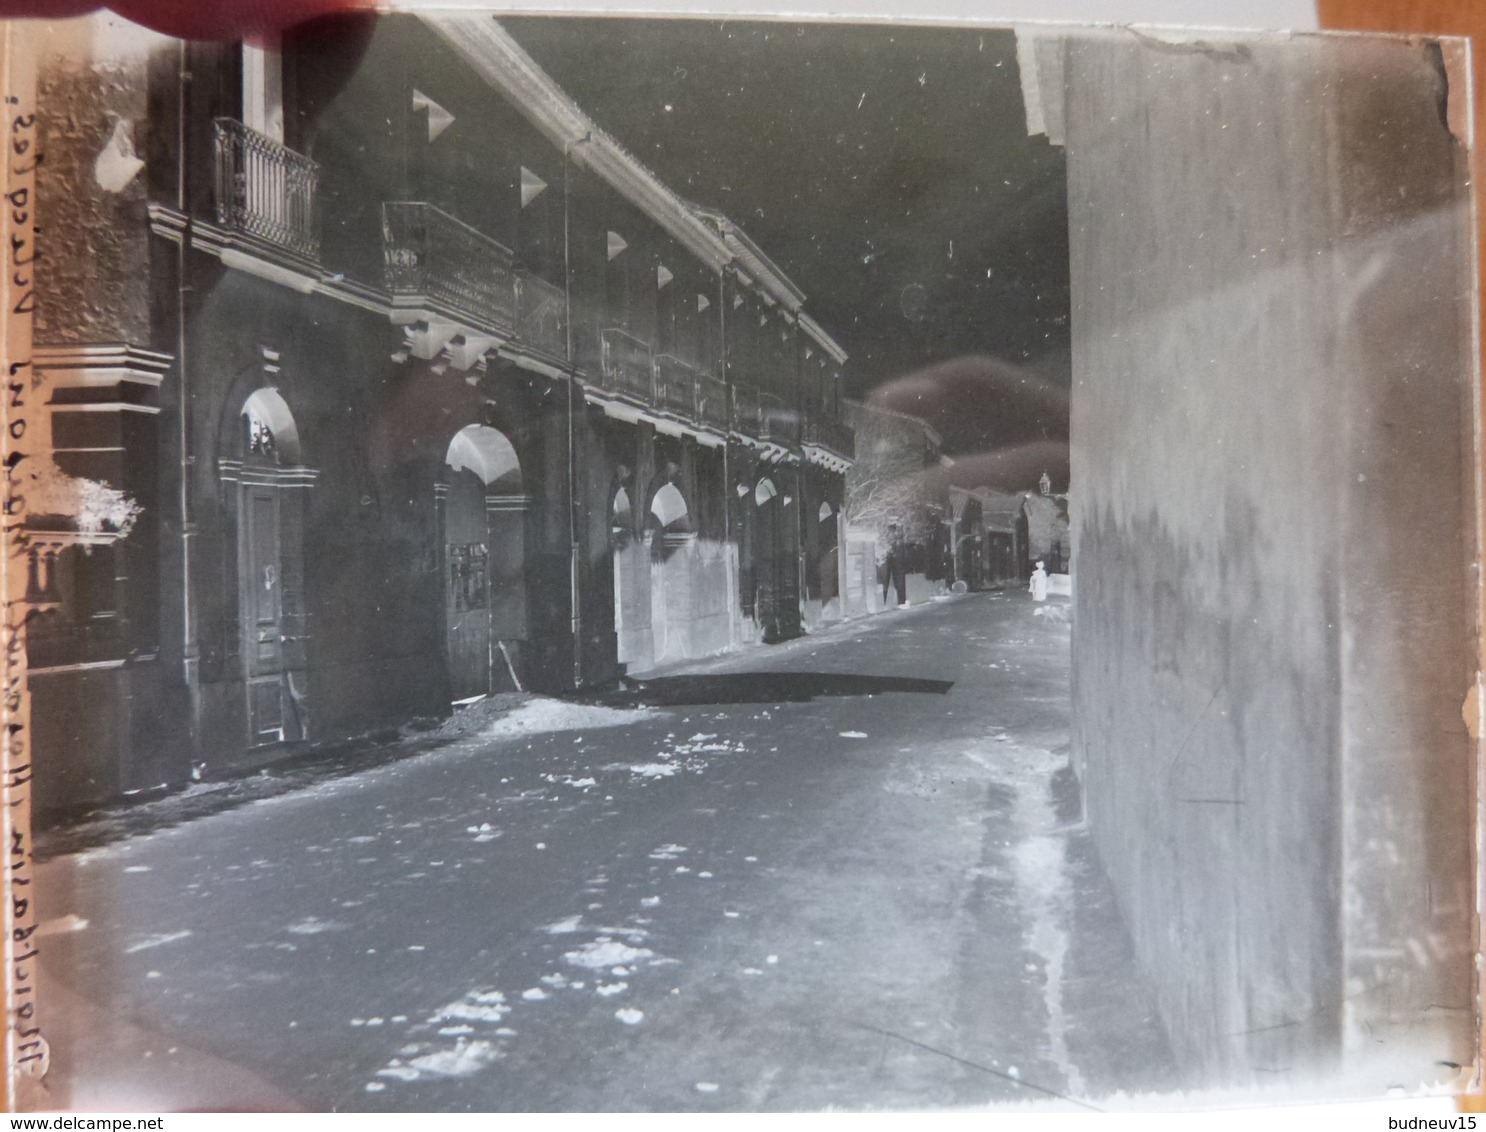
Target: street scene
688	565
849	873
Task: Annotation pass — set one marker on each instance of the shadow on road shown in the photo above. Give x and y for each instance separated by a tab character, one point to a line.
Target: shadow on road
766	687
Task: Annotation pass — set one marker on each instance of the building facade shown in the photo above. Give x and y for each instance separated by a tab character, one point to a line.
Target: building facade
410	385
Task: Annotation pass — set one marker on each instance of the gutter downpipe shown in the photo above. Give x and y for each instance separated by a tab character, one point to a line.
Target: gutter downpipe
189	657
574	550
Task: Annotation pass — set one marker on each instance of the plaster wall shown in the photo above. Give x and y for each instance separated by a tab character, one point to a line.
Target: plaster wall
1271	512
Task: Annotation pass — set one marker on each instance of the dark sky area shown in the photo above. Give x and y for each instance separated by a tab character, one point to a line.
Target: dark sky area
888	171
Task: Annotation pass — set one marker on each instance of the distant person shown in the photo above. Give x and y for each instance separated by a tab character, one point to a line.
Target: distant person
895	569
1039	583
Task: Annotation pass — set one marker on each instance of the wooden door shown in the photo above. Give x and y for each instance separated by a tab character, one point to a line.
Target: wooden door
260	581
467	586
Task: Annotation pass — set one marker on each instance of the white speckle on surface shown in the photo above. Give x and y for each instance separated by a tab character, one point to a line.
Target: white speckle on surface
682	869
416	947
136	868
152	974
853	734
731	915
541	845
607	989
752	860
374	1086
649	901
706	1086
562	927
118	161
772	959
311	925
454	1031
629	1016
752	971
71	922
155	941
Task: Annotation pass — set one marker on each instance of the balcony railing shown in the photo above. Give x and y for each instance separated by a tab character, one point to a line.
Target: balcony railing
831	434
745	409
776	421
626	365
712	403
676	387
430	257
265	189
541	314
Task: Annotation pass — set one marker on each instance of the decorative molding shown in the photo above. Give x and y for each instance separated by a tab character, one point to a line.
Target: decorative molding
113	363
105	407
265	475
507	503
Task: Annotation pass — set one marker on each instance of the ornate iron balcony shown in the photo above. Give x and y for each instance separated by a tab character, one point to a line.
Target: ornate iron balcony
745	409
265	189
431	259
776	421
676	387
627	367
541	314
831	434
712	402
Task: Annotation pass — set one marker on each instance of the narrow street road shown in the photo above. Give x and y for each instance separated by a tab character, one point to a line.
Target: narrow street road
842	872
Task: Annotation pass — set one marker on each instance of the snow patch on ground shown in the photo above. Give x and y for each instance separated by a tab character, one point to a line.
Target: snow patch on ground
542	716
475	1006
464	1059
1044	888
630	1016
604	952
654	770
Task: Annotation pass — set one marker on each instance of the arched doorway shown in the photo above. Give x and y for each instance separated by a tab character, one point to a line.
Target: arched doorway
270	503
631	555
671	541
827	565
769	551
483	526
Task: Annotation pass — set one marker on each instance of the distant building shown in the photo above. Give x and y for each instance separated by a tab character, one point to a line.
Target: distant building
896	492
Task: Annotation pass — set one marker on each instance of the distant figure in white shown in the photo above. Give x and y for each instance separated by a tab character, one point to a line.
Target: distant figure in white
1039	583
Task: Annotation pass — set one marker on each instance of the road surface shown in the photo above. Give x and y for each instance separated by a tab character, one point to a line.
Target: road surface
842	872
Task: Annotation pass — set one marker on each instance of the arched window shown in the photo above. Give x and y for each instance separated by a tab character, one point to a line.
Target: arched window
270	429
488	454
669	507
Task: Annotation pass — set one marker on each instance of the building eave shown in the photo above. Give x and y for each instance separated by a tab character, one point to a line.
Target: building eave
487	47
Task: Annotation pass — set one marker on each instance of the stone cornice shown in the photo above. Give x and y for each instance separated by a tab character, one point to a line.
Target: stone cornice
822	339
